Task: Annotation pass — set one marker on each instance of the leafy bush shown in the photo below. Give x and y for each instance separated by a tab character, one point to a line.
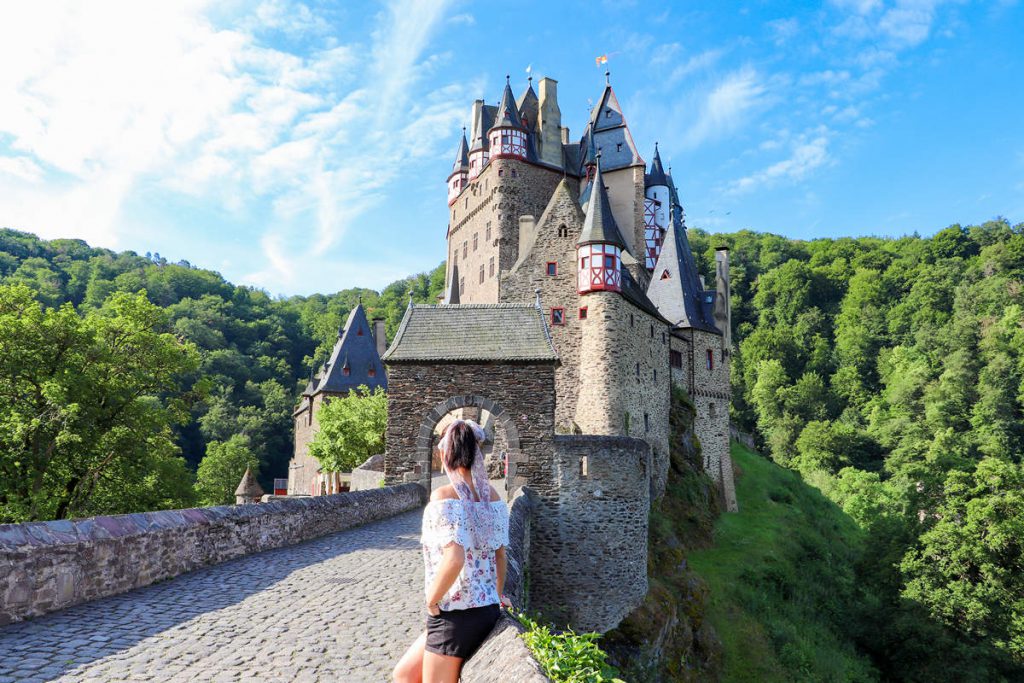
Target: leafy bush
568	657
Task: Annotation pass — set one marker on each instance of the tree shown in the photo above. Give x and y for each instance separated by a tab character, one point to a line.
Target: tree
222	468
351	429
966	568
86	408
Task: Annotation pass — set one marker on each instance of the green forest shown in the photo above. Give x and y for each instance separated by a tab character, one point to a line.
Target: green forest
886	373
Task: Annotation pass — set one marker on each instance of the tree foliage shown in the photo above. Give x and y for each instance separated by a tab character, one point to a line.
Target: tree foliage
351	429
222	469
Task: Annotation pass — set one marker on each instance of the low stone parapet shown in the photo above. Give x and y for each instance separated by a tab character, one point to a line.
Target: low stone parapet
46	566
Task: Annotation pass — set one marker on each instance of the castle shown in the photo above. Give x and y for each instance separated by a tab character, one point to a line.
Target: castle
572	306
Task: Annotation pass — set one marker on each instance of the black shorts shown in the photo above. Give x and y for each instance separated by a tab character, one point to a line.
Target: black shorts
459	632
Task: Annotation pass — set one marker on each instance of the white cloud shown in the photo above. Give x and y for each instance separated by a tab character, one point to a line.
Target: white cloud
784	30
805	157
726	106
694	64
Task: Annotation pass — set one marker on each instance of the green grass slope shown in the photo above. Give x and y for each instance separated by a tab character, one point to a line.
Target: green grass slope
781	579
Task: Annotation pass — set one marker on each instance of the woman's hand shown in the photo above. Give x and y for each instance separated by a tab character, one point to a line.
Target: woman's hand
433	609
505	602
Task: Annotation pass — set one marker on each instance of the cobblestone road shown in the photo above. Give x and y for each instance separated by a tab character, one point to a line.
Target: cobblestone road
338	608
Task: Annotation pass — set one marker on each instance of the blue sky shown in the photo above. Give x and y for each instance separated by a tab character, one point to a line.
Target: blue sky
303	147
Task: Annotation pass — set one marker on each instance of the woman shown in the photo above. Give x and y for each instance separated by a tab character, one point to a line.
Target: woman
465	531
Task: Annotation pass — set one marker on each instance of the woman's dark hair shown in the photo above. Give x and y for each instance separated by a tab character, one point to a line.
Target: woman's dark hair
462	451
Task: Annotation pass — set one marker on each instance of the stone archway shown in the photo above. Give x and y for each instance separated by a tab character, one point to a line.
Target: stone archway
425	436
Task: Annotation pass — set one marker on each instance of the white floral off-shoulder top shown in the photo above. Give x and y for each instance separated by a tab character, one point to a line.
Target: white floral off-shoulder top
444	522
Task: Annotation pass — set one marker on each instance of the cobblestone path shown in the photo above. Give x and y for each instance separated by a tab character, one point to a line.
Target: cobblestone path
338	608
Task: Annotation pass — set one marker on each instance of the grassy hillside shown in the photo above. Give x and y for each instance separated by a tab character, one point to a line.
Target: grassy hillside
781	581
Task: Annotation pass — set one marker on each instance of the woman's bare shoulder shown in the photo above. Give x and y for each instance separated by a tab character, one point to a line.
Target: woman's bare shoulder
446	492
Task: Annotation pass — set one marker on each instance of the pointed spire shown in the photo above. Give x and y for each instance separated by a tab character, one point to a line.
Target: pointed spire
507	115
599	225
451	295
675	286
657	174
462	155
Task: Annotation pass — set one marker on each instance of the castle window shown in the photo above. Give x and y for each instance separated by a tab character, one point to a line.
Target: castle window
359	332
609	261
462	285
583	312
711	411
465	204
481	273
647	423
584	467
476	240
465	249
492	267
723	356
631	320
662	337
563	231
652	331
665	275
513	173
618	147
675	359
607	113
638	370
711	359
557	316
488	233
346	372
501	172
552	268
585	262
372	372
655	374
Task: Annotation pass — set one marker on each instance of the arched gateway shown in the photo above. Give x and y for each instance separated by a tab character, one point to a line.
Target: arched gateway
494	357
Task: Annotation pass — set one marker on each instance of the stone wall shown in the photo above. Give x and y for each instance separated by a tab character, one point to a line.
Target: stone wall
520	396
624	377
711	396
588	545
46	566
369	475
554	240
302	468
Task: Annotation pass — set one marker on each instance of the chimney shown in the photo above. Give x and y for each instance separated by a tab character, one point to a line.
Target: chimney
380	336
527	234
565	135
723	306
550	120
478	105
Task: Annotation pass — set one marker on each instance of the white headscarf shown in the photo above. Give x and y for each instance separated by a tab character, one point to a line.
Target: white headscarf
481	515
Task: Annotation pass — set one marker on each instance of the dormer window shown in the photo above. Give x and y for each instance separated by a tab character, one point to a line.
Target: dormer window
359	332
346	372
665	275
607	113
372	372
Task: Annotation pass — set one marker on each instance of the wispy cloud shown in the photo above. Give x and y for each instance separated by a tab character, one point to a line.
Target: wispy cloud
726	106
806	155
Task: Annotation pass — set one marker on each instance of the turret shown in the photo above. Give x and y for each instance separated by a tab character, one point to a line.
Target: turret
478	149
656	209
507	137
599	249
459	176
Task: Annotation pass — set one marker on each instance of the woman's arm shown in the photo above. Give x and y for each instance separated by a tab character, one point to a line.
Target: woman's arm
451	564
502	562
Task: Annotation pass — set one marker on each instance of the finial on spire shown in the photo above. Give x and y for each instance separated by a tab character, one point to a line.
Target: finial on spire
537	292
608	77
507	77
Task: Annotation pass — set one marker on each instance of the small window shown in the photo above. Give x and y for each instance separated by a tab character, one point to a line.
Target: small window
501	172
638	370
652	331
492	267
631	320
655	374
675	359
618	147
557	316
462	285
476	240
346	372
481	273
609	261
647	423
359	332
372	372
607	113
465	249
513	173
583	312
584	467
552	268
662	337
665	275
563	231
585	262
711	359
712	411
488	234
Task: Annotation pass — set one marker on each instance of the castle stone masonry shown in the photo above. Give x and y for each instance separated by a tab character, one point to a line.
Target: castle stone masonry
573	305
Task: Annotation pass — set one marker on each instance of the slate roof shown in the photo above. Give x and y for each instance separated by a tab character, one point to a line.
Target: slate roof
481	124
657	174
507	114
609	134
249	486
679	297
356	351
472	332
461	156
599	225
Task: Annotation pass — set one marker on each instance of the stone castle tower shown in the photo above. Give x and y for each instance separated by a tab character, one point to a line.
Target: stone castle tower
602	241
354	362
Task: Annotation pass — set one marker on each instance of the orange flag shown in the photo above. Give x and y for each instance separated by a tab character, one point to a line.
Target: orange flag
603	59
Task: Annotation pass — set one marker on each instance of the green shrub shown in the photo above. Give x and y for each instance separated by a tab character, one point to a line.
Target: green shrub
568	657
